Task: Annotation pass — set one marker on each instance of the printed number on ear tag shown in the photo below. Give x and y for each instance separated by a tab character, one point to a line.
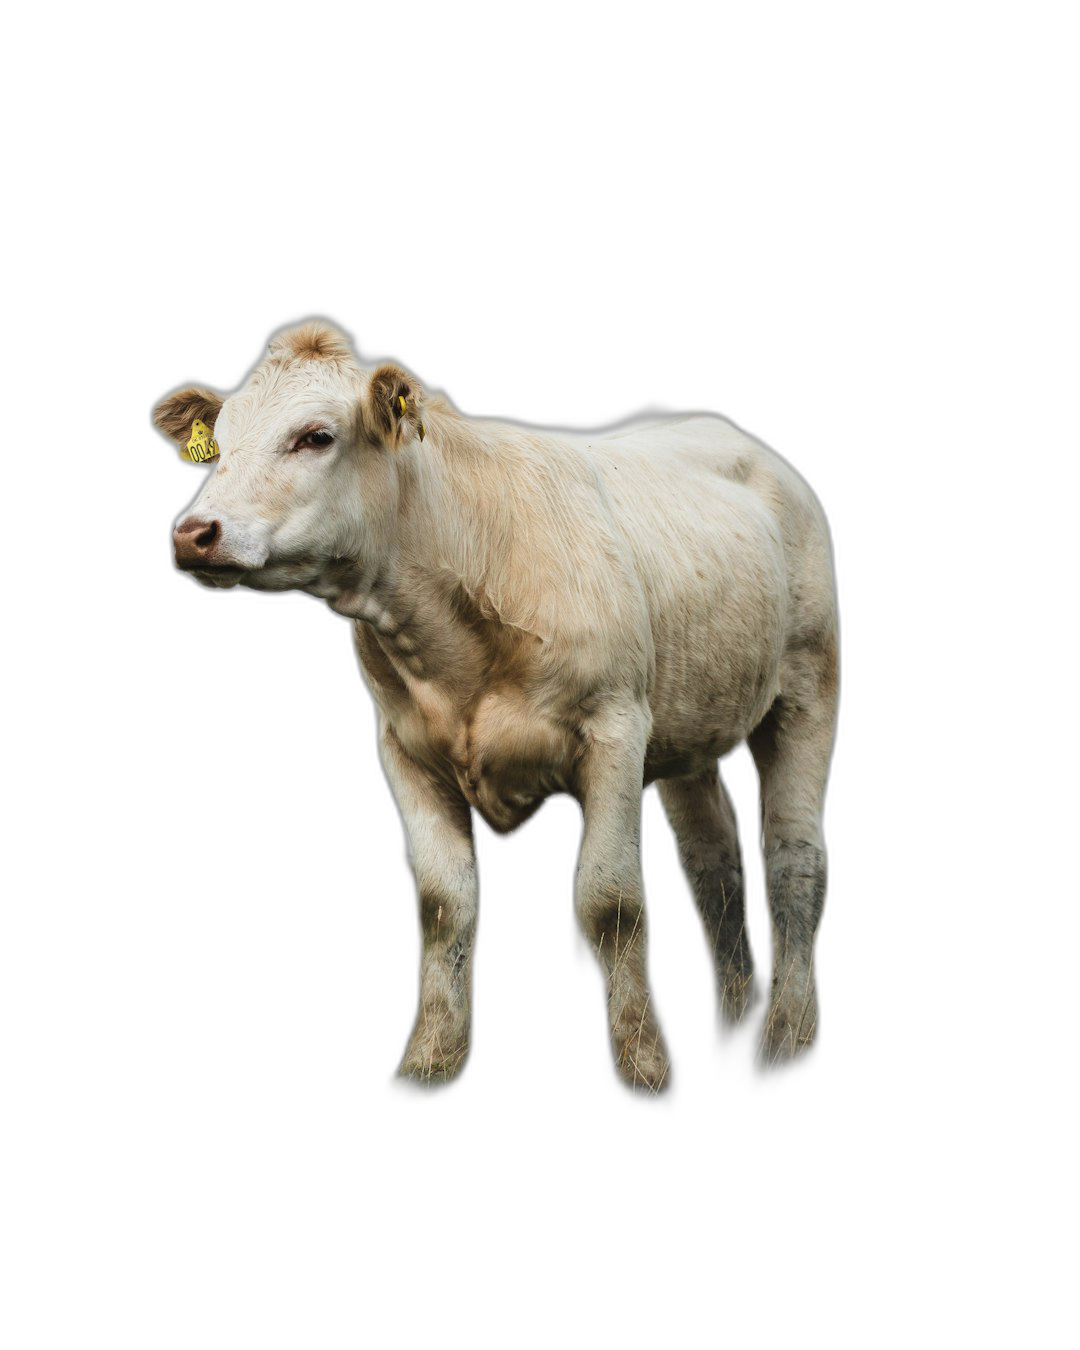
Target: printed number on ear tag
201	446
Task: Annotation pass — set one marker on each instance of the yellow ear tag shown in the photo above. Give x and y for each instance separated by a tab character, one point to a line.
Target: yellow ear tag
401	400
201	446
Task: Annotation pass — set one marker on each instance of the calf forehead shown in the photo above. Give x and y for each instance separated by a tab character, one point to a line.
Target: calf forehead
280	398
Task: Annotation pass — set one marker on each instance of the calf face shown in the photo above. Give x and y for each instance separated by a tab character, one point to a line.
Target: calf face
305	476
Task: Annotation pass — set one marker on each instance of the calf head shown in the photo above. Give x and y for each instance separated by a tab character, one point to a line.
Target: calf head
304	489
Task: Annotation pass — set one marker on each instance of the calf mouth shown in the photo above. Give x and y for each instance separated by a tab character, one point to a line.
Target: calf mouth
219	575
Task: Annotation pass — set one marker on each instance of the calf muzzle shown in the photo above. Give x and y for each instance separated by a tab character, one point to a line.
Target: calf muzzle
196	543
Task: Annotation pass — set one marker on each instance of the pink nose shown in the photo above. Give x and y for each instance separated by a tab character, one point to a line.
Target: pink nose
195	541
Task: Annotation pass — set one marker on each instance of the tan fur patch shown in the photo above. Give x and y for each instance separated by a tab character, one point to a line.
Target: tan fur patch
175	414
392	409
312	341
830	668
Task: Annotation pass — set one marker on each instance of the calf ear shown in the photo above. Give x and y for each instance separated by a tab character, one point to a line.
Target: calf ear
393	407
176	414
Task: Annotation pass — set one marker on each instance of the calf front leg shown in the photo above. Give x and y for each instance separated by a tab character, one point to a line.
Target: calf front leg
438	824
609	896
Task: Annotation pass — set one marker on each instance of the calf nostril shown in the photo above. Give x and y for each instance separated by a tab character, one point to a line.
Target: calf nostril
207	536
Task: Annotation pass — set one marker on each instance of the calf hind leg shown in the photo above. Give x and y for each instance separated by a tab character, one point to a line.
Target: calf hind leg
791	748
703	820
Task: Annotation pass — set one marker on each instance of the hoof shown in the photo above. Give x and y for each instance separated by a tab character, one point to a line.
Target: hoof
737	996
789	1030
648	1076
431	1066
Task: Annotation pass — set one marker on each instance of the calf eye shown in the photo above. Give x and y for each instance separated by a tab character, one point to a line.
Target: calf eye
319	439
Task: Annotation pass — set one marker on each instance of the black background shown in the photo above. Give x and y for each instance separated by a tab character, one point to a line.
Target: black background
278	959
